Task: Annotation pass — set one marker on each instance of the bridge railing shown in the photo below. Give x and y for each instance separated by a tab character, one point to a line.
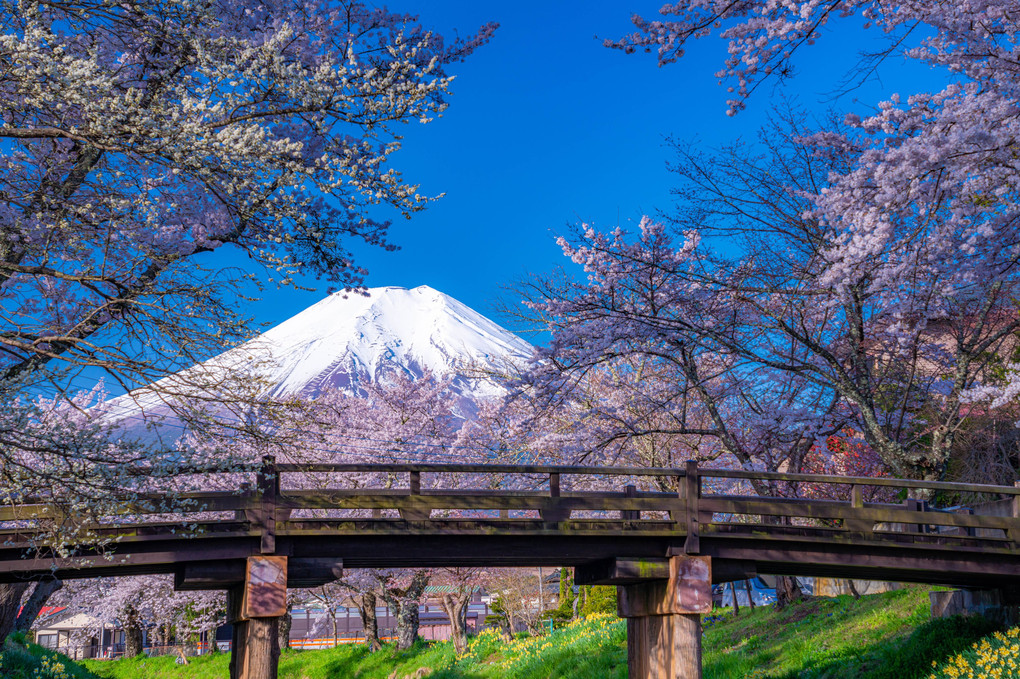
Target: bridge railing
686	502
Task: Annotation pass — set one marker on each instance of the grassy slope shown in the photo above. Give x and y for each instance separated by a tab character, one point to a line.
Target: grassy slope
20	660
884	636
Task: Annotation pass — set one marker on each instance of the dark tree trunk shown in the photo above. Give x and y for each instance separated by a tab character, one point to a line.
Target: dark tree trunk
366	607
10	602
455	606
284	628
787	591
736	604
132	632
853	588
750	594
40	595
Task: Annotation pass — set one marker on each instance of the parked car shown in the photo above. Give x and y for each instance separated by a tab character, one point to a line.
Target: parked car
761	593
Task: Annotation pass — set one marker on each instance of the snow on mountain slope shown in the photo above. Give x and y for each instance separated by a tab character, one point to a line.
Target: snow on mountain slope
342	342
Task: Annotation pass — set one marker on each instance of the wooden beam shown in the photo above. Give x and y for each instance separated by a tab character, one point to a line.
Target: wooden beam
664	620
302	573
254	610
621	571
627	571
664	647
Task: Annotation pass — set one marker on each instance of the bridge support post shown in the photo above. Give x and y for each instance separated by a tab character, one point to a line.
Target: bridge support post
255	609
664	620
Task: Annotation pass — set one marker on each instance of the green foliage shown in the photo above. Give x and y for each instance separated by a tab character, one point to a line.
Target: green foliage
565	610
586	648
597	599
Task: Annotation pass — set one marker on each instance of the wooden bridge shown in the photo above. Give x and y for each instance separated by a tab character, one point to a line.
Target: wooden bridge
303	523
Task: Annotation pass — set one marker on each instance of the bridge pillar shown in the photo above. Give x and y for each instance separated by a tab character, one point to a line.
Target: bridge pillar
664	620
255	609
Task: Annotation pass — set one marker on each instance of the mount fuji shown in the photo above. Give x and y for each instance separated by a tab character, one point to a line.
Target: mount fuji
342	342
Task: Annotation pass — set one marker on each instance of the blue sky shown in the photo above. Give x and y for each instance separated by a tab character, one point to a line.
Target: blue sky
547	128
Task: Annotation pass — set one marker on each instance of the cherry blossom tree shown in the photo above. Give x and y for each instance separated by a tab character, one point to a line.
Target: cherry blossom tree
354	587
458	587
919	216
145	135
143	138
140	603
654	339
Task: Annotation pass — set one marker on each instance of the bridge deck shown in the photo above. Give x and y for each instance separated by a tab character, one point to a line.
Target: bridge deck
531	519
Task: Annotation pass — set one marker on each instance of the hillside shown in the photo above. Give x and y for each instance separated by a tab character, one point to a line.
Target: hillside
883	636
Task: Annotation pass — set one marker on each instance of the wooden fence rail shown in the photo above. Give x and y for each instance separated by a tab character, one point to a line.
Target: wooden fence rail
348	502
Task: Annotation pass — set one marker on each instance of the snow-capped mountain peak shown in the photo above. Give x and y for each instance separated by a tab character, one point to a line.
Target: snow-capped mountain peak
342	340
345	340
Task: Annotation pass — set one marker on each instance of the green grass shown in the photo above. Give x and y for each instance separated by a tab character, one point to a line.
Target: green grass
22	660
883	636
588	649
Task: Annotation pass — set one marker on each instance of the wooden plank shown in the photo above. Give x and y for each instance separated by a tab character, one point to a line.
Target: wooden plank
261	649
188	551
404	500
185	503
818	509
1013	532
480	469
265	587
861	480
686	590
664	647
302	573
621	571
630	491
690	579
656	471
553	510
692	498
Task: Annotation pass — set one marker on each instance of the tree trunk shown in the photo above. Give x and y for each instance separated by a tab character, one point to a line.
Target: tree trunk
10	602
736	604
407	623
132	632
284	627
541	592
455	607
853	588
369	621
405	603
750	594
40	595
787	591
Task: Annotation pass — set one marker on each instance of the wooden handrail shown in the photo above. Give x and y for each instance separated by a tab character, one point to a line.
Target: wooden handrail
437	468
